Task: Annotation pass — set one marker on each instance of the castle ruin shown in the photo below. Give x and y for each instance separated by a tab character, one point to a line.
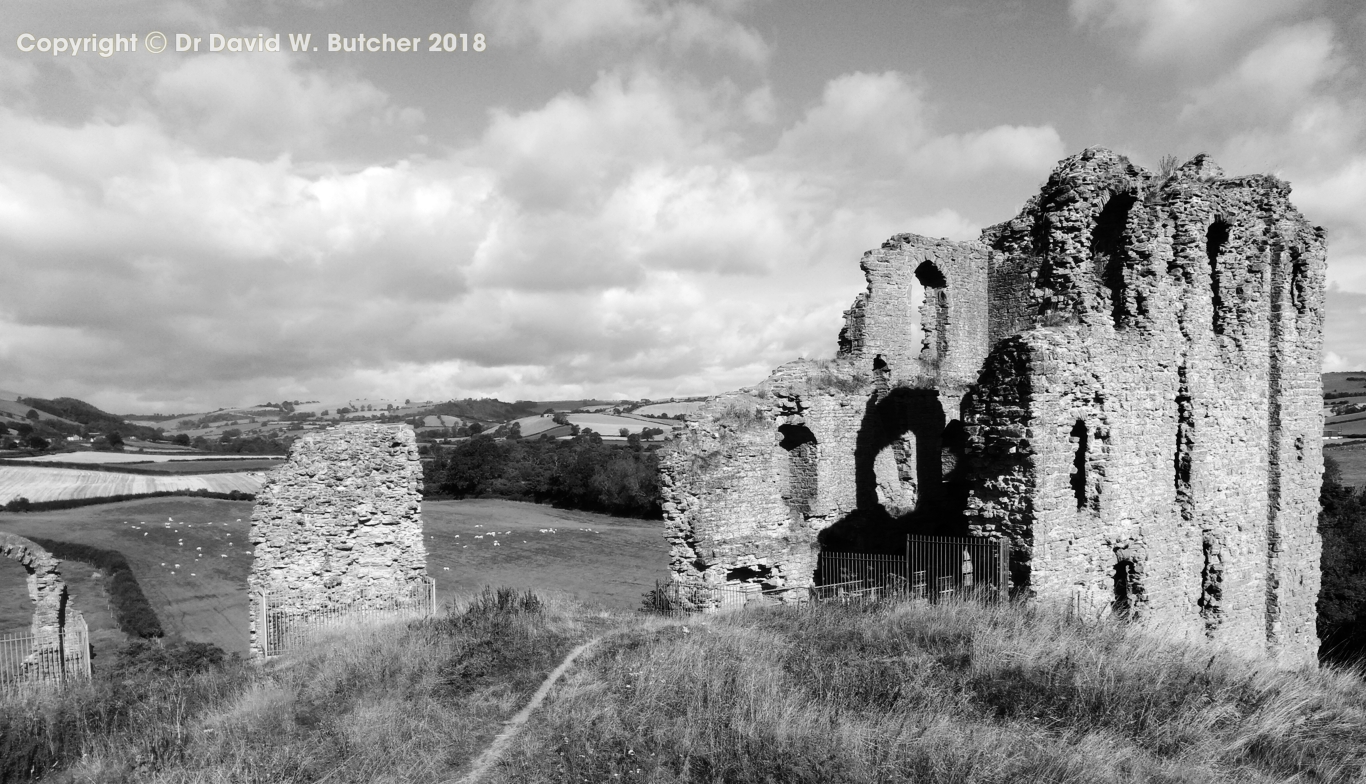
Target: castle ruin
1123	381
47	659
339	524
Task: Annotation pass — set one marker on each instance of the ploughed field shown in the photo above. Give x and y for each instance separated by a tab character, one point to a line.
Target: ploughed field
41	483
192	555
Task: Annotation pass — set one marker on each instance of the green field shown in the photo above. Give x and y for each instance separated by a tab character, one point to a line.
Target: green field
1351	458
599	559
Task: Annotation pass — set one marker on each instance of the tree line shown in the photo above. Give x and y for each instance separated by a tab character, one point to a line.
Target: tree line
582	472
1342	600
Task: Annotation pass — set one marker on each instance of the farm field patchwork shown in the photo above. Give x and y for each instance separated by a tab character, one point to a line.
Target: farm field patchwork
1349	381
132	457
603	424
193	566
1348	426
38	483
670	409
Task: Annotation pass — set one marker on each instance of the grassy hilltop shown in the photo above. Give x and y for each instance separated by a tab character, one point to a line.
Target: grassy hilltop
873	693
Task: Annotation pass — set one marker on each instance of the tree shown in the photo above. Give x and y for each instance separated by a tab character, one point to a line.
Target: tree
4	429
200	442
624	432
473	466
24	429
550	412
515	432
37	442
31	416
182	438
1342	600
115	440
475	428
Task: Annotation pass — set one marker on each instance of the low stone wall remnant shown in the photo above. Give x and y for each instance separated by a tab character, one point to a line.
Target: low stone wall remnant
340	523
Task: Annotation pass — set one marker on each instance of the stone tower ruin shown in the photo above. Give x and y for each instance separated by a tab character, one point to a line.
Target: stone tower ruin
1123	381
339	525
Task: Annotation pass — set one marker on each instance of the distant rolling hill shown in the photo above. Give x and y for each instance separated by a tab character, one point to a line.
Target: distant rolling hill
78	411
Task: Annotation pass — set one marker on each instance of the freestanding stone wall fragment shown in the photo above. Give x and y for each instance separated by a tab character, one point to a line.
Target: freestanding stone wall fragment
47	589
340	523
1123	380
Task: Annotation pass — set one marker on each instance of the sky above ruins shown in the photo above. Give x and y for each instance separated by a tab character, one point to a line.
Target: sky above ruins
616	198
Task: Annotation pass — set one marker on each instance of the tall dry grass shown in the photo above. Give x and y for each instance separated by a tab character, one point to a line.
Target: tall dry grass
396	702
946	693
831	693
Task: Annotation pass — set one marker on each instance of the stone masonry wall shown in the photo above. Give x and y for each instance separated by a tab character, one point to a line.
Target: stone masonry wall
339	523
1169	434
1123	380
47	589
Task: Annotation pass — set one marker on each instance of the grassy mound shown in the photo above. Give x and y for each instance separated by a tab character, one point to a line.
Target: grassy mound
950	693
874	693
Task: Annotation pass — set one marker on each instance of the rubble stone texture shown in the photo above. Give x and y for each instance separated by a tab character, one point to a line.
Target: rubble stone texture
47	589
1123	380
340	523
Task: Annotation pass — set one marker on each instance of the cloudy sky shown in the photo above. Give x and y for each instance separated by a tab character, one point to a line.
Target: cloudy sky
616	198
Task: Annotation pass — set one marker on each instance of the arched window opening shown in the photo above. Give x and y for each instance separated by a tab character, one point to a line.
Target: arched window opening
930	276
934	312
800	444
794	436
1080	436
1215	239
1109	250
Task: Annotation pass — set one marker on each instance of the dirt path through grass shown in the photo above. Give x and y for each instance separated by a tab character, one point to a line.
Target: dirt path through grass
495	749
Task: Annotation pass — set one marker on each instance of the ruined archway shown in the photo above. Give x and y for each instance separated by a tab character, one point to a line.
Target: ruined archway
48	592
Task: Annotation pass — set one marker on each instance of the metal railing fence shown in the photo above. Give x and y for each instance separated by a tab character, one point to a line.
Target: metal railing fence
932	567
285	629
69	659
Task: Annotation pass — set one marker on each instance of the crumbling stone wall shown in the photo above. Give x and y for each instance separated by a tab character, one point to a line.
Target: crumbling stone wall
340	523
1127	375
47	589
